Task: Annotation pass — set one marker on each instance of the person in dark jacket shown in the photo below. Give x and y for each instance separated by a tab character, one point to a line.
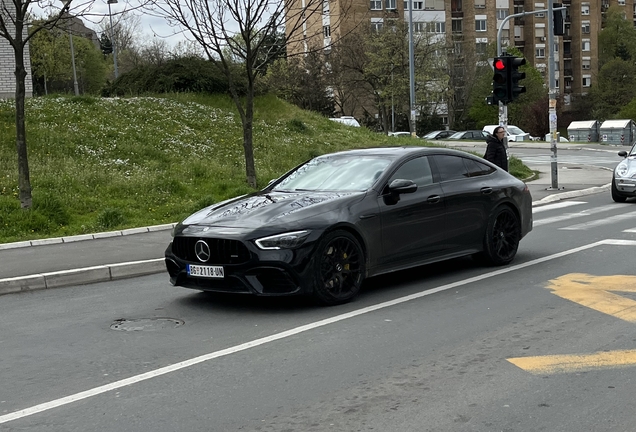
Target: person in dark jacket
496	149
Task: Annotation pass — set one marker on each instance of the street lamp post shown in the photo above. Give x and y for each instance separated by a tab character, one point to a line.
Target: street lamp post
70	37
112	37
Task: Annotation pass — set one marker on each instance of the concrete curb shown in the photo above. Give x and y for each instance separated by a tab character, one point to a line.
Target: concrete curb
80	276
571	194
71	239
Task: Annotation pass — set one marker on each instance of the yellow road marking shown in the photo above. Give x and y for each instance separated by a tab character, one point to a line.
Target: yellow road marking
595	292
575	363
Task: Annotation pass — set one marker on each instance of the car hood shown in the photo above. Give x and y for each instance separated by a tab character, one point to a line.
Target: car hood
630	162
269	208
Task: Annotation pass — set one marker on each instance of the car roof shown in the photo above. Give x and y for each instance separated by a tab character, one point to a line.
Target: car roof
399	151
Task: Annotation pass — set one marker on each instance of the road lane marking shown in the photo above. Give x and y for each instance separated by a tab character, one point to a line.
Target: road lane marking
26	412
599	222
557	205
568	216
554	364
631	230
598	293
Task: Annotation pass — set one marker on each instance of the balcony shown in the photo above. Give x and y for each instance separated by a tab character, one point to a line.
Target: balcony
567	54
518	2
457	14
520	21
567	72
567	37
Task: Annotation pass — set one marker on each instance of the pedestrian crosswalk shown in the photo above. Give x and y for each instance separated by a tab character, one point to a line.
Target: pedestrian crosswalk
561	212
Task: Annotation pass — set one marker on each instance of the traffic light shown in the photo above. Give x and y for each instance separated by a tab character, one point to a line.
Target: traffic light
500	81
105	44
515	76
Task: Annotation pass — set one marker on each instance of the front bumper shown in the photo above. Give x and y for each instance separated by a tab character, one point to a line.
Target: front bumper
625	186
263	273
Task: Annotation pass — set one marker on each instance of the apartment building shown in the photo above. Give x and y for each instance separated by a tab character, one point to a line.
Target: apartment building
7	60
473	25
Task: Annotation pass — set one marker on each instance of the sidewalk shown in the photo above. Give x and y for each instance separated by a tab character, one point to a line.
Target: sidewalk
59	262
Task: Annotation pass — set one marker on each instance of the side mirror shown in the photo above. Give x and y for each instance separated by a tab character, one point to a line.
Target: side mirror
622	153
402	186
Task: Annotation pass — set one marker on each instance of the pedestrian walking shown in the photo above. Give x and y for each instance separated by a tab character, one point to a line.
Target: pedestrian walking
496	149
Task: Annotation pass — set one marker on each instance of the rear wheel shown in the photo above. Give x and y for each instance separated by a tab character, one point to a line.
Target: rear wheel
503	234
339	268
615	195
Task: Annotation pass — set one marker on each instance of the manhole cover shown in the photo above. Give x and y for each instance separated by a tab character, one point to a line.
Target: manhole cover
145	324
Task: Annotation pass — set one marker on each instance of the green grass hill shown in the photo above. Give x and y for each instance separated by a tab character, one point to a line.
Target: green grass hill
103	164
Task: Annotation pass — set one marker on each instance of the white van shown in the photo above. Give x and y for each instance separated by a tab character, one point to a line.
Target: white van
514	133
347	120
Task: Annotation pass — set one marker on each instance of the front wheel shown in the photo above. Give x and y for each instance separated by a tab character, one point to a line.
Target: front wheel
339	268
503	234
615	195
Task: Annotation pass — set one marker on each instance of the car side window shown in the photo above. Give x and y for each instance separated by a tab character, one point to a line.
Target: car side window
451	167
476	169
418	170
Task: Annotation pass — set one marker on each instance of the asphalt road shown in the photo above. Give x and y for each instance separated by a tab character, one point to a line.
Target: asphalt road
546	343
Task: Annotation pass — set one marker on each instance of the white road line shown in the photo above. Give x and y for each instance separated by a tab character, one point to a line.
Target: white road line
568	216
257	342
599	222
631	230
558	205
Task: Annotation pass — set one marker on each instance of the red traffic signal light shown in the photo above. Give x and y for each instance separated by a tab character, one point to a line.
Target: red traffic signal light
499	64
500	81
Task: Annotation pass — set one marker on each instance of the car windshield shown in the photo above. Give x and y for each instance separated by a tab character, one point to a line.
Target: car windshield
336	173
431	134
456	135
514	130
633	150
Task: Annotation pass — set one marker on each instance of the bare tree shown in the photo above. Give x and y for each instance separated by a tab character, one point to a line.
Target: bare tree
242	33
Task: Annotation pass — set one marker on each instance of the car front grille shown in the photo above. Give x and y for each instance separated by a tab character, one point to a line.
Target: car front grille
222	251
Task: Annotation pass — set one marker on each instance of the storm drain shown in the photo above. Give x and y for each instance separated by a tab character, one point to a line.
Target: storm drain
146	324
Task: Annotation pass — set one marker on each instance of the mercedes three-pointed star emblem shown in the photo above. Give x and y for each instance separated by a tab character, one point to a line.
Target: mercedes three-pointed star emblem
202	250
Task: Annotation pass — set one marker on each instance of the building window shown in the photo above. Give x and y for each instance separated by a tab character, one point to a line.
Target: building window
539	52
444	120
540	15
376	24
586	45
480	25
326	31
480	4
481	48
502	14
586	64
391	4
456	5
621	2
587	80
436	27
585	9
585	27
539	32
419	27
458	49
376	5
417	5
456	25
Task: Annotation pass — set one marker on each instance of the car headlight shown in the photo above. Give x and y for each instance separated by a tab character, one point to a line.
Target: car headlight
622	169
288	240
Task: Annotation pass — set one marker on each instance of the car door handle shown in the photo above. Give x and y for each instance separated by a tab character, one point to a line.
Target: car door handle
434	199
486	190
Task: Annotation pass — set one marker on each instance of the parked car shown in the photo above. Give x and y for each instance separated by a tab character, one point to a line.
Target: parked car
624	179
346	120
399	134
438	134
337	219
514	133
470	135
561	139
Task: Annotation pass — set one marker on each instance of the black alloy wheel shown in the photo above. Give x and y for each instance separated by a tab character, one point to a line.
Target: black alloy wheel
339	268
502	237
615	195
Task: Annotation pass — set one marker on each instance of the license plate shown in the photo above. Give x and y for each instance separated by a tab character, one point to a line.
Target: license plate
206	271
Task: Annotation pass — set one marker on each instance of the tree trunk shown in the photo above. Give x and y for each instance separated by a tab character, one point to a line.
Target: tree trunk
24	182
248	144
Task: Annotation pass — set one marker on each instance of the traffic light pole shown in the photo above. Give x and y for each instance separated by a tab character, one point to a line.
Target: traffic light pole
503	108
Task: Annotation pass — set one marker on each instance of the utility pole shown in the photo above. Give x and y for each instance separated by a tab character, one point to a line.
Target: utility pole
412	70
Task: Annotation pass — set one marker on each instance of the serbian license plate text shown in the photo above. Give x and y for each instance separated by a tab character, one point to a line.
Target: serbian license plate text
206	271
